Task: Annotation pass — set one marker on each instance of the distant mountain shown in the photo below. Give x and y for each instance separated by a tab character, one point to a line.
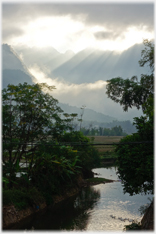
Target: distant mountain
91	66
86	66
14	70
93	119
89	115
15	77
45	58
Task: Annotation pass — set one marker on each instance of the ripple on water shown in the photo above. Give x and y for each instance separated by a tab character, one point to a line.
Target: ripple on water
92	208
114	202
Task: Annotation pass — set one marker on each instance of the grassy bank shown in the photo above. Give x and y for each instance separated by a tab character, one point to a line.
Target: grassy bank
97	180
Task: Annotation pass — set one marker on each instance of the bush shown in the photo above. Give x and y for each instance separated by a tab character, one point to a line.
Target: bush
137	160
132	227
22	198
88	156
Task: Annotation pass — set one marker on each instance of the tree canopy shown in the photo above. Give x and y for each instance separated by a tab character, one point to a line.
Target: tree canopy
135	160
35	135
29	115
134	92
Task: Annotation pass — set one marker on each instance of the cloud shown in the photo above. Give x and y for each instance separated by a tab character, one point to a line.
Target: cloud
73	94
115	17
106	35
63	87
11	31
92	95
92	13
104	25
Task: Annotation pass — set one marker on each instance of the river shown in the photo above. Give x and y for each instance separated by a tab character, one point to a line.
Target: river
91	209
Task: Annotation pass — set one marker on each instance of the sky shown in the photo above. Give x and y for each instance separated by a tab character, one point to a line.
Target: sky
71	25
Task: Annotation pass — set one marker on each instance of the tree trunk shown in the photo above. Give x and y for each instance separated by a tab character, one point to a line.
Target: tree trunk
147	222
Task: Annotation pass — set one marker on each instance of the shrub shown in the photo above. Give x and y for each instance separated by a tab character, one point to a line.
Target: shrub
22	198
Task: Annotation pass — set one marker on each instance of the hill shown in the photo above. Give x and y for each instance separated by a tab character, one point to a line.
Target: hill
89	115
91	66
14	70
86	66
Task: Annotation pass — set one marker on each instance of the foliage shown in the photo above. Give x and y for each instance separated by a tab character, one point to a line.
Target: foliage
144	208
69	120
147	55
135	161
55	167
29	115
32	132
98	180
88	155
131	92
135	165
81	115
114	131
132	227
127	126
22	198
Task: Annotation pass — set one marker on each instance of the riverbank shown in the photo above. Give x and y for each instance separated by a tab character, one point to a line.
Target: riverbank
108	161
95	181
12	215
69	210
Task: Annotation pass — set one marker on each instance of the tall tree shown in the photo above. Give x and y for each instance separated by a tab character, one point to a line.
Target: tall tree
132	92
135	161
30	114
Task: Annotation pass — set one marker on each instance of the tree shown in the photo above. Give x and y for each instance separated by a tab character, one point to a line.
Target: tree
131	92
117	130
69	120
30	114
135	161
147	55
81	115
34	132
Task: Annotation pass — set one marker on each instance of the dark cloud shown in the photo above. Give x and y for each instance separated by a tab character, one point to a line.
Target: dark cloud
115	16
102	13
11	31
102	35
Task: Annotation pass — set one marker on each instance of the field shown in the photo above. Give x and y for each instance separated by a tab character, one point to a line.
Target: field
106	150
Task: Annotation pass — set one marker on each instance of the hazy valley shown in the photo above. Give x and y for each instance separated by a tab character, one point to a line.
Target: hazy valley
78	69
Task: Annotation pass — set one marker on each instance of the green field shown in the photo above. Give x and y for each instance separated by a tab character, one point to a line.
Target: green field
106	150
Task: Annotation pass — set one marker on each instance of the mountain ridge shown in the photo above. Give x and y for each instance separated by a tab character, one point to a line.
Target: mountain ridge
15	71
20	74
89	114
101	65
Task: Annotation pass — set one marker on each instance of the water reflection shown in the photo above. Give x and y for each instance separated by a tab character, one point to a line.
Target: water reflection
107	172
72	214
91	209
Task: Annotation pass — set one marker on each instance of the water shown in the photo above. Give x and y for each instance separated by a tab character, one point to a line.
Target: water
91	209
114	202
22	165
